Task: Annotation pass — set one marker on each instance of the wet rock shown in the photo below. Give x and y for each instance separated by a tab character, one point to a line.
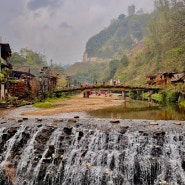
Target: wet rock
76	117
71	120
84	150
3	122
12	130
40	125
144	133
11	119
156	151
51	150
123	129
80	135
67	130
153	123
163	182
84	153
112	163
115	121
42	138
56	122
183	165
159	133
39	119
178	123
19	120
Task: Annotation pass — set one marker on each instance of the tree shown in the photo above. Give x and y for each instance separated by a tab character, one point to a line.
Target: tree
166	33
121	17
113	66
124	61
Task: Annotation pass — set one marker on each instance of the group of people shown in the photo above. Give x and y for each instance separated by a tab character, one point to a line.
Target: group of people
114	82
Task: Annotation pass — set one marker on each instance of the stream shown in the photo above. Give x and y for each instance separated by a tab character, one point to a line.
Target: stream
105	147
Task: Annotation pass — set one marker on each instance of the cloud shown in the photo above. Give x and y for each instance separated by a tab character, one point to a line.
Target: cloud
37	4
65	25
59	28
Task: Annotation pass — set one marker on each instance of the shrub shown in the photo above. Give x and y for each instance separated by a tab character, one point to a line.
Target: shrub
182	103
171	96
159	98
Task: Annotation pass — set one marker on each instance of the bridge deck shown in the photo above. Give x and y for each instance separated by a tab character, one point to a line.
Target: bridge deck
111	88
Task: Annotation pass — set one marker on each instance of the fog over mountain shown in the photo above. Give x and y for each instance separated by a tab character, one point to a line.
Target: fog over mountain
59	29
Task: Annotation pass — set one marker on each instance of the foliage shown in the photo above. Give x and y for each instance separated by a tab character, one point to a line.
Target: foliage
145	96
158	97
13	101
34	60
113	66
118	37
182	103
89	72
124	61
165	36
171	96
24	102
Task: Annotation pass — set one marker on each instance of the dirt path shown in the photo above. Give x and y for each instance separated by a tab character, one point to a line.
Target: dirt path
79	104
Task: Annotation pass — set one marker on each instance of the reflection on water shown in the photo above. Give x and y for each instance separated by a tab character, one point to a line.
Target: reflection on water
140	110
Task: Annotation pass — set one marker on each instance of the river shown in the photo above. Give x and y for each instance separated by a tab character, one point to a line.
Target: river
132	109
141	110
88	150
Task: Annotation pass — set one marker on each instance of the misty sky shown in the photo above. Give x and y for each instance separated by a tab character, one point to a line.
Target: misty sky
59	29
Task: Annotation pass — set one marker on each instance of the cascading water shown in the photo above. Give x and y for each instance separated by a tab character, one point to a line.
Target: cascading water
94	151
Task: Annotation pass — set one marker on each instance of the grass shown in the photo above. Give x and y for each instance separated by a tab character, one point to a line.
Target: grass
43	105
182	103
49	102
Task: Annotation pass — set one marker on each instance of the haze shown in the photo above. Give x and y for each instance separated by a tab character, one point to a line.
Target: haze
59	29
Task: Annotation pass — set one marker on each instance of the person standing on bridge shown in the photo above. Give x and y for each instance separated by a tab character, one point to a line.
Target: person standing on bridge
111	82
96	83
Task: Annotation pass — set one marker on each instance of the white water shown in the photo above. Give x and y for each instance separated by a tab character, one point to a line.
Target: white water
87	155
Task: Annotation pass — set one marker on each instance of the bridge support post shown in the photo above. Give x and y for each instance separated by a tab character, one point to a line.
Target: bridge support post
124	94
139	92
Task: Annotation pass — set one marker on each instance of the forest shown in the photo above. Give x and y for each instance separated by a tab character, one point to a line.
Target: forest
134	49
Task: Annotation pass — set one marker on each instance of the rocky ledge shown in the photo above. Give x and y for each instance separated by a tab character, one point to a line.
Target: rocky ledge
92	151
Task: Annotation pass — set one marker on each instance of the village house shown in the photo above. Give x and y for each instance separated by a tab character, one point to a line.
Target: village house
23	83
5	68
165	78
178	77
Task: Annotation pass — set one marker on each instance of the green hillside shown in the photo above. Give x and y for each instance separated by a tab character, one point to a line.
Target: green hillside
137	45
121	35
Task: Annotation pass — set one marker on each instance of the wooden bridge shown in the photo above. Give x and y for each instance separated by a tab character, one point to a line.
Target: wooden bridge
121	88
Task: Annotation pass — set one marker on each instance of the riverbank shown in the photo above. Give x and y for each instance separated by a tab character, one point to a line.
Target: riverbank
76	104
111	106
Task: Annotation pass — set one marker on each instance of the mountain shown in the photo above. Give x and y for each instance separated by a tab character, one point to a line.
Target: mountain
120	36
132	47
107	52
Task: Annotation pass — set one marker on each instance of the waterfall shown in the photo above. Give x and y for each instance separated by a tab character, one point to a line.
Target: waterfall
94	152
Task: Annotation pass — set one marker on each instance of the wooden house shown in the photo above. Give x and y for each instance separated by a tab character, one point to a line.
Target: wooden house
23	83
161	79
178	77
